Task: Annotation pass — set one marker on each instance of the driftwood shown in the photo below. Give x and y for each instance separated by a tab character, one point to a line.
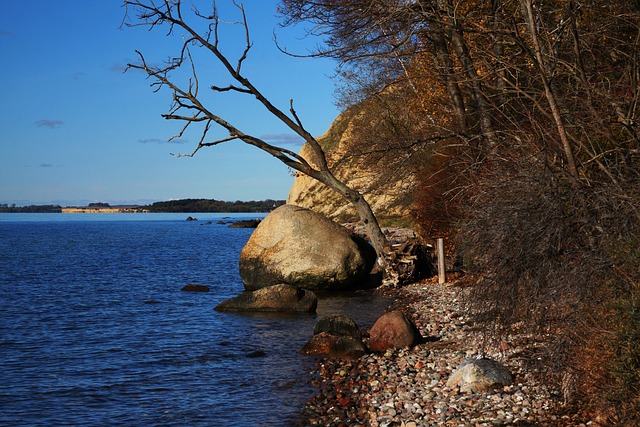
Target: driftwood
410	261
408	257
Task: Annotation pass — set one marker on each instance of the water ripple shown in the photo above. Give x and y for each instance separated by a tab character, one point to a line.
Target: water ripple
94	329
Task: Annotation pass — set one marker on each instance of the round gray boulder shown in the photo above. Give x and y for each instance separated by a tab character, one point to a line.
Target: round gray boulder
299	247
478	375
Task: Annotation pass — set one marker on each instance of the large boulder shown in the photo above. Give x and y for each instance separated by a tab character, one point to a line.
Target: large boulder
478	375
278	298
296	246
393	330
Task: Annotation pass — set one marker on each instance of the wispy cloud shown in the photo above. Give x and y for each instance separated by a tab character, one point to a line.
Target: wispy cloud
48	123
162	141
283	139
77	75
118	68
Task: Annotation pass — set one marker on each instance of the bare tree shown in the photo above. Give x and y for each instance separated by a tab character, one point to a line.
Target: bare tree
527	8
188	104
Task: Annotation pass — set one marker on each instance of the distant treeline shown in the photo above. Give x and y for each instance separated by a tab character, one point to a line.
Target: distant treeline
31	209
210	205
182	205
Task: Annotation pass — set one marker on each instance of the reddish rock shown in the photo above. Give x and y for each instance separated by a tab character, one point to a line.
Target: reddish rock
393	330
344	401
339	346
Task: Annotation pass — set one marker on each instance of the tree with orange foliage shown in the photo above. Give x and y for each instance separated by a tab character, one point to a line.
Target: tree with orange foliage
542	151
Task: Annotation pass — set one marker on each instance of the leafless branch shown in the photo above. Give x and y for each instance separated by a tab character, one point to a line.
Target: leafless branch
188	106
230	88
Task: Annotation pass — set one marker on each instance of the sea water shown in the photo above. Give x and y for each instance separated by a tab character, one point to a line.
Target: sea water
95	330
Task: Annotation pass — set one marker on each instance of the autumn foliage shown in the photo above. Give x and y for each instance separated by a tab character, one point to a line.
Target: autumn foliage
527	117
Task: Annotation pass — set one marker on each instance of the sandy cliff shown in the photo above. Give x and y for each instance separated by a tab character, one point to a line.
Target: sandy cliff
388	193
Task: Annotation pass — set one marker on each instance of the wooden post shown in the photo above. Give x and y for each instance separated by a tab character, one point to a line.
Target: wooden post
441	273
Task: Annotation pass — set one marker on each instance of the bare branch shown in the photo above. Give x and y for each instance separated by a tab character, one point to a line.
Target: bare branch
230	88
293	113
248	43
188	106
220	141
185	118
202	144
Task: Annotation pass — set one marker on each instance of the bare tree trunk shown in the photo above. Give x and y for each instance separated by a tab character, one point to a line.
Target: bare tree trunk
444	64
555	111
498	52
462	51
366	215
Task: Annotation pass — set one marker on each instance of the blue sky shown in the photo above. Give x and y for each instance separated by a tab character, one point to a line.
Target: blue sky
75	129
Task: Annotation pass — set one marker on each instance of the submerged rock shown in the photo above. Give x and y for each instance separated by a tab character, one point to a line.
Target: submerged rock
245	223
338	324
190	287
276	298
338	346
299	247
336	336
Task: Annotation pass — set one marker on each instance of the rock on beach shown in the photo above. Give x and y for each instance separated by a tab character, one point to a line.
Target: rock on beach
393	330
335	346
478	375
338	324
299	247
336	336
408	386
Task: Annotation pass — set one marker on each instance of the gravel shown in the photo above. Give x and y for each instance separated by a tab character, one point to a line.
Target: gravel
407	387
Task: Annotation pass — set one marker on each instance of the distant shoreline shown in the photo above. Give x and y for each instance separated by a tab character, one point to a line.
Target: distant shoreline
113	209
172	206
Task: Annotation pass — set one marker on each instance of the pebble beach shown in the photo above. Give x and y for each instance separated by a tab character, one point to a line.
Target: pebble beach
407	387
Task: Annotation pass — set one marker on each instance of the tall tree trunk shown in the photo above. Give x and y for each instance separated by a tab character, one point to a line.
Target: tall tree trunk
498	52
527	9
444	64
456	35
